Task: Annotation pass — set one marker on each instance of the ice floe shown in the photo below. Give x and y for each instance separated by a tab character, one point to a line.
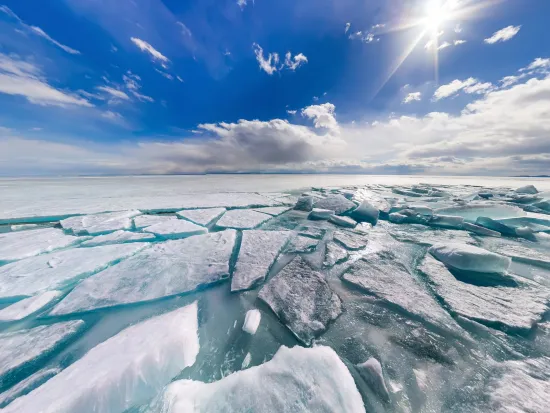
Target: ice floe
123	371
28	306
202	217
334	254
297	380
23	244
366	213
27	385
470	258
175	229
371	371
242	219
99	223
337	203
476	229
470	212
164	269
527	189
142	221
258	252
350	240
302	300
340	221
302	244
273	211
118	237
304	203
252	321
59	269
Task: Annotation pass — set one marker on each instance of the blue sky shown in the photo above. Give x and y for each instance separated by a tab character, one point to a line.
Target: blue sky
341	86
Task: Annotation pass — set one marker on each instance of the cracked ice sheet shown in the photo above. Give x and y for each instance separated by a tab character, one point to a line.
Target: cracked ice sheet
124	371
99	223
165	269
242	219
202	217
296	380
23	346
423	235
273	211
302	300
28	306
258	252
118	237
58	269
23	244
516	308
142	221
176	229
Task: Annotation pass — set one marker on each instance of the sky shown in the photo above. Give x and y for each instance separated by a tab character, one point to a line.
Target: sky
434	87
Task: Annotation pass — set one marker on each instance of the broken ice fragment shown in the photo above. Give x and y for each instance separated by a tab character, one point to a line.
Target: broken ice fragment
296	380
495	226
59	269
175	229
242	219
366	213
252	321
124	371
118	237
311	232
202	217
527	189
534	224
273	211
470	258
350	241
258	252
476	229
164	269
406	192
99	223
371	371
27	385
470	212
302	244
143	221
28	306
447	221
23	244
334	255
304	203
337	203
373	199
345	222
320	214
302	300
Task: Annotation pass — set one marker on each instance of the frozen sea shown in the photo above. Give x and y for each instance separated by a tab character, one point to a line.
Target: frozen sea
274	293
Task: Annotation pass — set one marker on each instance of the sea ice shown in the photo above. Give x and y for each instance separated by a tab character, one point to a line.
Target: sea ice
350	241
242	219
118	237
366	213
18	348
527	189
59	269
296	380
470	212
371	371
405	192
27	385
165	269
516	308
23	227
311	232
544	205
23	244
304	203
493	225
273	211
320	214
252	321
124	371
99	223
142	221
447	221
373	199
258	252
202	217
520	253
476	229
175	229
302	300
534	224
337	203
335	254
422	235
470	258
345	222
28	306
302	244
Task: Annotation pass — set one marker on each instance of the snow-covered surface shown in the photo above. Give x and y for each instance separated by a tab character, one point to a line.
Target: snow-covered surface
470	258
252	321
123	371
258	252
28	306
99	223
165	269
297	380
302	300
242	219
175	229
202	217
59	269
23	244
118	237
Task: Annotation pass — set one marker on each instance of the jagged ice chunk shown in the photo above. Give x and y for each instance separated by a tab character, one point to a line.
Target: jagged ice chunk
202	217
23	244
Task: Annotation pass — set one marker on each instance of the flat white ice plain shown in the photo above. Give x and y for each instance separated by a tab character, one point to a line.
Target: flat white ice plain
217	293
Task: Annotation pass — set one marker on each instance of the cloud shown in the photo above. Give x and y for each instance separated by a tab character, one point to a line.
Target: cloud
413	96
459	42
291	112
184	29
322	116
364	37
242	3
113	116
164	74
538	63
269	64
20	78
119	94
479	88
458	28
503	35
293	63
348	25
146	47
38	31
453	88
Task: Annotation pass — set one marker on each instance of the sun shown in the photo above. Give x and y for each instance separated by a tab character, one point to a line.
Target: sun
437	13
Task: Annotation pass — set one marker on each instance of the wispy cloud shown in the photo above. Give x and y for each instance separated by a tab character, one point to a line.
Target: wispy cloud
119	94
503	35
184	29
453	88
294	62
146	47
348	25
269	64
413	96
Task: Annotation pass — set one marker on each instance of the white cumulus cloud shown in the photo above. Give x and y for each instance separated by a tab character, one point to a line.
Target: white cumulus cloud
413	96
503	35
294	62
453	88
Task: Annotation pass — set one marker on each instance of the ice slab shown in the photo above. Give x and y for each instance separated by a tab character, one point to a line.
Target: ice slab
337	203
382	275
470	258
334	254
373	199
527	189
371	371
118	237
124	371
406	192
297	380
514	308
409	216
242	219
273	211
175	229
345	222
258	252
447	221
143	221
164	269
202	217
21	347
320	214
59	269
366	213
252	321
99	223
544	205
494	225
24	227
302	244
470	212
351	241
304	203
27	385
422	235
23	244
311	232
520	253
535	224
28	306
476	229
302	300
